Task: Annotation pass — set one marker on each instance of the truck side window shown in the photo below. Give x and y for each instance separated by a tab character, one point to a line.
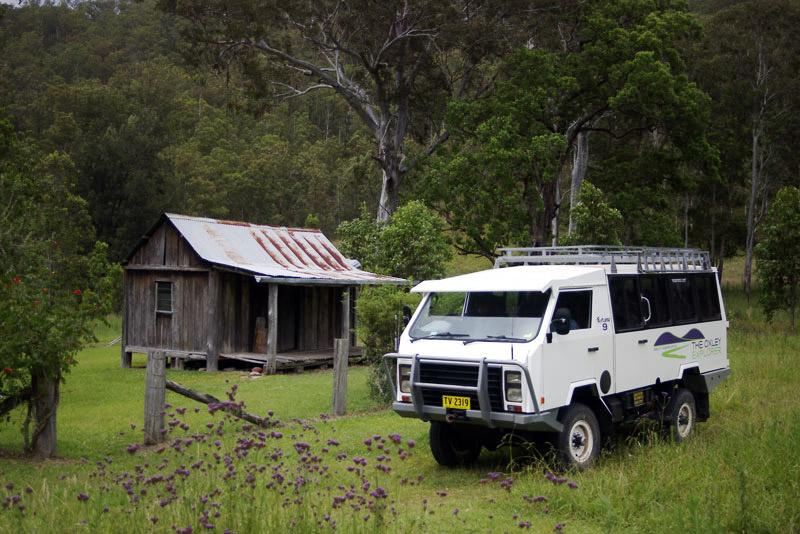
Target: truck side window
707	297
655	289
682	297
625	303
579	303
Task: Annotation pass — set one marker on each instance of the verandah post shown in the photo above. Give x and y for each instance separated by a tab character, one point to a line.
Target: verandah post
272	328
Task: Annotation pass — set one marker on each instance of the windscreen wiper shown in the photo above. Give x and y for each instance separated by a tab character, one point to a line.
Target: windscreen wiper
439	334
501	337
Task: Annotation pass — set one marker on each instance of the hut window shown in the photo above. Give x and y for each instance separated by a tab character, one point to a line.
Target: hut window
164	297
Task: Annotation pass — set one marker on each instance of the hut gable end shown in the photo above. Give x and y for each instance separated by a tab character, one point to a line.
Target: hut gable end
164	247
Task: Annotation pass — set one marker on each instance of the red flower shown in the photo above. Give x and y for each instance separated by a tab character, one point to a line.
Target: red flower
76	292
17	280
8	370
36	302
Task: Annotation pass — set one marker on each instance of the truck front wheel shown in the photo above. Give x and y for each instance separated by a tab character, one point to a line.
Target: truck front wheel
579	440
452	447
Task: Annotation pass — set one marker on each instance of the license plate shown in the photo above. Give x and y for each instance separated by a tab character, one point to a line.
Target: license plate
459	403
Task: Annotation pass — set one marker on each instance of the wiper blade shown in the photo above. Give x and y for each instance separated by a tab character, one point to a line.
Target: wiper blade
501	337
439	334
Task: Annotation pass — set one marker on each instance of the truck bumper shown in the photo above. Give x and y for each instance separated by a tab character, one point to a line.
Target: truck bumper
536	422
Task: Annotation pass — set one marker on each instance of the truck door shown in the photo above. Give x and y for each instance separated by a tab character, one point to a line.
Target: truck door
586	353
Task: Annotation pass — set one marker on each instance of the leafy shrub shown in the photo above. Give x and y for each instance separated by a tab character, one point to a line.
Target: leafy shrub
411	245
778	255
596	222
359	239
380	321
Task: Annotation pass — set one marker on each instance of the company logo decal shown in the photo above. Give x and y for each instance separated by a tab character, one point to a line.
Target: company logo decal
693	344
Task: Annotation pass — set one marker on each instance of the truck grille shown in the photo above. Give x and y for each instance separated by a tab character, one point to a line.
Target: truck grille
460	375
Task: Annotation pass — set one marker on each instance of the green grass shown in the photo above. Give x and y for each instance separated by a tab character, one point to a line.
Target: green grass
740	472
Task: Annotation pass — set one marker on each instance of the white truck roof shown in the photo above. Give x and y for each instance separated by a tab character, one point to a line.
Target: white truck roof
520	278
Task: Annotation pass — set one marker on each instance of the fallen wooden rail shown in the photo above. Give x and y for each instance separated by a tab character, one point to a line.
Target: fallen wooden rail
156	385
229	407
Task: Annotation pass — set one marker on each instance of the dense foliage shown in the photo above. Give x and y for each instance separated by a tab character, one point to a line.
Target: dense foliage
778	255
380	315
54	283
491	115
596	223
411	245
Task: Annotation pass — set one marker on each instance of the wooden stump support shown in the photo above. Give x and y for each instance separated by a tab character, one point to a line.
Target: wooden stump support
154	395
341	350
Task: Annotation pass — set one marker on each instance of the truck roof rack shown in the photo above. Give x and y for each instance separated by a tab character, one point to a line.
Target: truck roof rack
646	259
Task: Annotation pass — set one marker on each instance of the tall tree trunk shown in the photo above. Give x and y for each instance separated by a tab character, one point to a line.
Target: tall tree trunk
388	201
45	398
580	161
755	179
686	221
545	217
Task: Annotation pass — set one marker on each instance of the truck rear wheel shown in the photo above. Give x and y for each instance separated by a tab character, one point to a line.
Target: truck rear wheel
680	416
579	442
451	447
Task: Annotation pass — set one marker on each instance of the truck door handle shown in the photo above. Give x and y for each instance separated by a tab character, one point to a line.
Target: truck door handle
594	349
642	341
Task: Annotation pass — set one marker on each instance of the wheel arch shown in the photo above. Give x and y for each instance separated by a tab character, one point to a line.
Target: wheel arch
587	392
692	380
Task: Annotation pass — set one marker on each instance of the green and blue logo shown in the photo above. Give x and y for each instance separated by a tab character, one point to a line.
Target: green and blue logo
672	345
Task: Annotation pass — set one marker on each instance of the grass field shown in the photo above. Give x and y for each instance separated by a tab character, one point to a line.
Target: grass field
741	471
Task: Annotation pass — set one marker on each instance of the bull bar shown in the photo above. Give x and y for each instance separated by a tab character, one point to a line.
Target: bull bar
536	421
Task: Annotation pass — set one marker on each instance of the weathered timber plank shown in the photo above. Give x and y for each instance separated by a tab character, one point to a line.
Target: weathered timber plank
169	268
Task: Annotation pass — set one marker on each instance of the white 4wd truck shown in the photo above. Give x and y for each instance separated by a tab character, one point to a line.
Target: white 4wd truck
563	340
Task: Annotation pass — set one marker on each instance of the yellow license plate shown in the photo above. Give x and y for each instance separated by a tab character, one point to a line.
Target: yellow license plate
459	403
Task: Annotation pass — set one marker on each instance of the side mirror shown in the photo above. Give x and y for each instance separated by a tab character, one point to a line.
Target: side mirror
560	323
406	315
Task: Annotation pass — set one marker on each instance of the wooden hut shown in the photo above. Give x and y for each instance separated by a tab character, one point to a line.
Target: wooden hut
209	289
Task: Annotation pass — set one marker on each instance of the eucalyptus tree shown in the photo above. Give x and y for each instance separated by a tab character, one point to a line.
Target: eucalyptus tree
613	71
394	63
752	60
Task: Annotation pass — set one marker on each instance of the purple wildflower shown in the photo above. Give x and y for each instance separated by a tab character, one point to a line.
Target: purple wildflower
83	497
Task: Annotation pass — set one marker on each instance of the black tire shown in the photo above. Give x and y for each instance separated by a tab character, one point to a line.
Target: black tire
452	447
580	441
680	416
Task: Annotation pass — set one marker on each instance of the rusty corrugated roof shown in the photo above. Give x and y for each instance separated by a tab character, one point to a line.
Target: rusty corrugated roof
280	254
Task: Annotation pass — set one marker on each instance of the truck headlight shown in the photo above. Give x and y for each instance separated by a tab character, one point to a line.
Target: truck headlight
404	378
513	386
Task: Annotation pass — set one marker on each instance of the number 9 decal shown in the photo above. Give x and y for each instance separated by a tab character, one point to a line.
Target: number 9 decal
605	326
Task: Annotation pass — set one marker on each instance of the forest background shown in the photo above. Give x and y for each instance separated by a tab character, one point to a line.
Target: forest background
682	114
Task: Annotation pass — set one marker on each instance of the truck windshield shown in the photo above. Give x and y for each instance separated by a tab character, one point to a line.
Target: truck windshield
481	316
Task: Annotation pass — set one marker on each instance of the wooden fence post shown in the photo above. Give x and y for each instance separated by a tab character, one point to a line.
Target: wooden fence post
341	350
154	396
